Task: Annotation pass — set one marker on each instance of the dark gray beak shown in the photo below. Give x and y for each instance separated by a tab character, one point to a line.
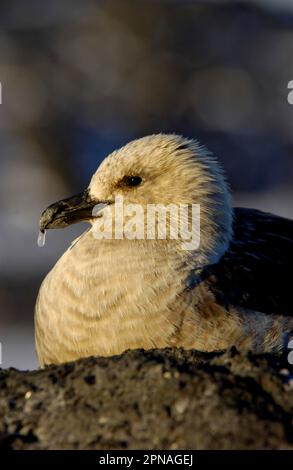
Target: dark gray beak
68	211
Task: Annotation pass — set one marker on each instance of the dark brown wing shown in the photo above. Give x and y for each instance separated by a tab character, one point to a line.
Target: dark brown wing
257	270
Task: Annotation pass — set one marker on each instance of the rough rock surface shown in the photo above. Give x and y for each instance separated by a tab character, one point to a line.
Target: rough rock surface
160	399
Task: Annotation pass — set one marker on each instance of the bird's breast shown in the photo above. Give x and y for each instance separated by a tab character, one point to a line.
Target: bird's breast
104	297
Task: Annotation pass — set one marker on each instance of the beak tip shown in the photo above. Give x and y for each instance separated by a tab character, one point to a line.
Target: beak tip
46	218
67	212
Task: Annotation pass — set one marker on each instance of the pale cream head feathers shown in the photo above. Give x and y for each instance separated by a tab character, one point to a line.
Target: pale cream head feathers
174	170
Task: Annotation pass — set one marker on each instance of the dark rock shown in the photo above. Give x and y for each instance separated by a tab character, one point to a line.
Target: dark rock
160	399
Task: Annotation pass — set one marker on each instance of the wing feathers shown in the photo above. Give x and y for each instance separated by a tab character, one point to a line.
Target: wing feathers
256	271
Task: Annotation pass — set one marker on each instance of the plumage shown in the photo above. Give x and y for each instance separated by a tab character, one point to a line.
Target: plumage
108	295
255	272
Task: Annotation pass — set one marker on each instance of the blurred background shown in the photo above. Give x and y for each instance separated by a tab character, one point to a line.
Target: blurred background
82	77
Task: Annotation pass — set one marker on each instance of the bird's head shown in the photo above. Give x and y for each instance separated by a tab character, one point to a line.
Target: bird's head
157	169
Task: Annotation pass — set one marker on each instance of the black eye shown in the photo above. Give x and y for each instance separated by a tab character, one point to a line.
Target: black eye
133	180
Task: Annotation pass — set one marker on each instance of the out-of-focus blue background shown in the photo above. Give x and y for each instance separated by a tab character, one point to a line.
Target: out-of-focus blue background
81	77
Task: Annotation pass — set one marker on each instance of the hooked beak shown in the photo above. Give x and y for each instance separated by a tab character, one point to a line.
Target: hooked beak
69	211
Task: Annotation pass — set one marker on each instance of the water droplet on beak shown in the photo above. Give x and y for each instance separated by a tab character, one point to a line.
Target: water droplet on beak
42	238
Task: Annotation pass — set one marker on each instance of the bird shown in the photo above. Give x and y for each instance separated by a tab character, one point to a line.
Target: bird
106	295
